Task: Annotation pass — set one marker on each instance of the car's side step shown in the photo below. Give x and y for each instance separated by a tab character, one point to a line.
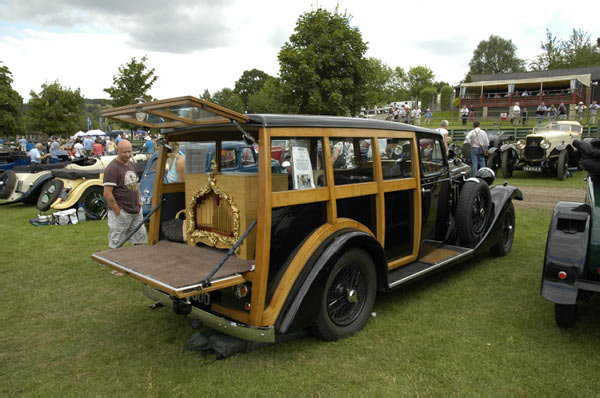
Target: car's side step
433	256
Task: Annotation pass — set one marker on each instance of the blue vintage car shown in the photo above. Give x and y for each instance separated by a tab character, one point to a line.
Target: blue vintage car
235	156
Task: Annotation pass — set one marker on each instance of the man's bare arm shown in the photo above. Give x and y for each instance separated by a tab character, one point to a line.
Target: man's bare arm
110	199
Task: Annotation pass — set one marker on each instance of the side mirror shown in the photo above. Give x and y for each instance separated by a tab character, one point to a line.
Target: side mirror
285	164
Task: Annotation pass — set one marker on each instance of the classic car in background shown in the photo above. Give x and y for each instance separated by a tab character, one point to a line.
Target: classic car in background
267	254
548	149
81	186
498	140
571	272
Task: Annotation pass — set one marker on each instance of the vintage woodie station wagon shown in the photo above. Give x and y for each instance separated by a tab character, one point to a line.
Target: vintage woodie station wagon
359	206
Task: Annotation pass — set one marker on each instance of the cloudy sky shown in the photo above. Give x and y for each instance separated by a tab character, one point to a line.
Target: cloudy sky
207	44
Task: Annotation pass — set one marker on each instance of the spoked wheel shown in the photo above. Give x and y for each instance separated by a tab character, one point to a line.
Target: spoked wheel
562	165
93	203
504	245
49	193
473	212
565	315
507	165
493	161
8	180
348	296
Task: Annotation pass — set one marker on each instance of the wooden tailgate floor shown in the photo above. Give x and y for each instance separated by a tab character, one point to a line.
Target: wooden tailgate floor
175	264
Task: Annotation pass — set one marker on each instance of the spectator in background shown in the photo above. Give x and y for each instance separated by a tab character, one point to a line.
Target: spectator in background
22	144
540	112
98	149
580	109
552	112
111	147
479	142
418	116
562	112
54	150
78	149
525	94
516	114
88	145
593	112
524	116
464	114
443	129
36	154
149	144
428	116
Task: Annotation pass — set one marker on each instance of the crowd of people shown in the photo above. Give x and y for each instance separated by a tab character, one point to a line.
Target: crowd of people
410	115
57	148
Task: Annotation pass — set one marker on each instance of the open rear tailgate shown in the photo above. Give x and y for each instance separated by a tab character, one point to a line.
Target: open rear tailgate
176	268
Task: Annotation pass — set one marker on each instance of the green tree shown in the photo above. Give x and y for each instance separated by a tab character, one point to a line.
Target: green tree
418	78
495	55
11	105
577	51
268	99
322	67
228	99
446	93
132	83
206	95
251	82
55	110
380	83
427	97
398	84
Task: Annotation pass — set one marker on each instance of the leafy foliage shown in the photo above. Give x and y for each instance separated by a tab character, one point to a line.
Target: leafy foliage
446	97
229	99
496	55
417	79
577	51
251	82
322	67
56	110
132	82
11	105
268	99
427	97
380	87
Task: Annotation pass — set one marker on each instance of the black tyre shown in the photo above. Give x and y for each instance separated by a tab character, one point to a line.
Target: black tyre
562	165
348	296
565	315
8	179
473	212
49	193
507	164
493	161
93	203
502	248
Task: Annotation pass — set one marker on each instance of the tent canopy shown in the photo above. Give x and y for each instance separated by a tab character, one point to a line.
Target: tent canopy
95	132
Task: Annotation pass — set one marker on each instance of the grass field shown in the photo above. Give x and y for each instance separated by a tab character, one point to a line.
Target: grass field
70	327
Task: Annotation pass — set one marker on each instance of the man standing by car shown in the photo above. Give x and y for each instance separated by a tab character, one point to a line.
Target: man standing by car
479	144
88	145
123	197
36	154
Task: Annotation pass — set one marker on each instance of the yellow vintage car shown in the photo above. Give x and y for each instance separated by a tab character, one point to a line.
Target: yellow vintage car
81	186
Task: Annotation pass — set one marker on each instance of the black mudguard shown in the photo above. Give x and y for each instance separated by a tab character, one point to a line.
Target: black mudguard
300	308
37	185
502	195
566	250
493	149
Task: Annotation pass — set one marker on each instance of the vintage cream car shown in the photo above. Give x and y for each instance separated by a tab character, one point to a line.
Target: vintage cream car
364	206
549	148
81	185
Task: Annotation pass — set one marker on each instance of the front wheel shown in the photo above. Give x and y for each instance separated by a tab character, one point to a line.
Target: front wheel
348	296
473	212
502	248
562	166
93	203
507	165
565	315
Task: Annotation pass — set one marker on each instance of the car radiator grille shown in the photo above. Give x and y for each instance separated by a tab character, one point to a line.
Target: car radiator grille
533	151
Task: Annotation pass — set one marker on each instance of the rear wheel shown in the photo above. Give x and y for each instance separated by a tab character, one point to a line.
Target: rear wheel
565	315
93	203
562	165
507	164
50	192
473	212
493	161
348	296
504	245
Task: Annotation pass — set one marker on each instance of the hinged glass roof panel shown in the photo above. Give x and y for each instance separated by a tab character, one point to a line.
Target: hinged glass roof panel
174	112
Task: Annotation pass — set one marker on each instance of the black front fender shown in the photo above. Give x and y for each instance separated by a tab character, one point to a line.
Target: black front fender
301	306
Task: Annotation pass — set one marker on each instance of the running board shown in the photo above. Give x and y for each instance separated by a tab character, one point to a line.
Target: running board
413	271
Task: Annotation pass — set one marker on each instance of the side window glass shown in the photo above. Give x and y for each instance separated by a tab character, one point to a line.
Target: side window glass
432	158
576	129
247	157
352	160
396	159
228	159
301	164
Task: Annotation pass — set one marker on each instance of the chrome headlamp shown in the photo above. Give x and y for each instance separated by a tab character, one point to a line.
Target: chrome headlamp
521	144
545	144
